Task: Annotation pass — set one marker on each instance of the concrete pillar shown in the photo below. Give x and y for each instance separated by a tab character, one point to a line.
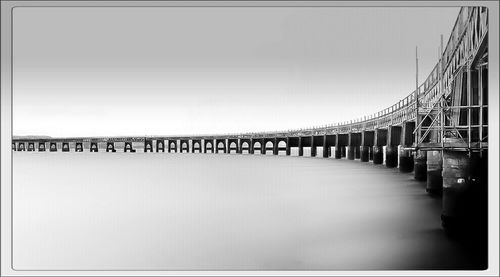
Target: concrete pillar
301	148
275	147
78	147
357	152
160	145
370	153
128	147
378	155
313	147
65	147
288	148
343	151
350	152
93	147
110	147
13	146
420	166
434	172
465	192
337	153
405	160
364	157
391	156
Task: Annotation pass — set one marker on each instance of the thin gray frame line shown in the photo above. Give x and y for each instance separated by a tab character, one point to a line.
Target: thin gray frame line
212	6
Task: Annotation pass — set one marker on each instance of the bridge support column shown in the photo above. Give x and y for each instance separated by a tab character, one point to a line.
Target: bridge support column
465	201
110	147
13	146
350	152
65	147
313	147
148	145
93	147
288	148
357	152
434	172
364	153
301	147
391	156
160	145
370	153
343	152
420	166
78	147
20	146
337	152
405	160
275	147
378	155
127	148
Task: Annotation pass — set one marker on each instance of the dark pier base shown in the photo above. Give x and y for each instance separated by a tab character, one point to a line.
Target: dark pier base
337	154
378	155
391	156
405	161
350	152
434	171
420	166
364	153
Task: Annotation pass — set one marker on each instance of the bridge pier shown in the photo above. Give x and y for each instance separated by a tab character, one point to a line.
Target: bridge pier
350	152
160	145
41	147
93	147
406	162
378	154
78	147
370	153
364	153
20	146
127	148
196	146
380	139
341	140
223	148
206	142
301	147
110	147
65	147
288	147
391	149
53	147
14	146
465	201
183	145
434	172
313	147
172	146
420	166
148	145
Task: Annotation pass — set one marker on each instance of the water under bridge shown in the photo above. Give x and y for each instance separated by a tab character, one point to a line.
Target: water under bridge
439	131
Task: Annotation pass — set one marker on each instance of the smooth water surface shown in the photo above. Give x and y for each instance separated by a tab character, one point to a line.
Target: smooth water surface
159	211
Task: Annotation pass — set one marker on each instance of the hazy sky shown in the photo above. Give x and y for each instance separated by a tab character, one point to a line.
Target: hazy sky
166	71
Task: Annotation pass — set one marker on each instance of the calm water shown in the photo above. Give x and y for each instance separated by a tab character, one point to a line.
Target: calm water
158	211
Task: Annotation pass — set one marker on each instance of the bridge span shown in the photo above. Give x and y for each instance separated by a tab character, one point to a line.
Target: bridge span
439	131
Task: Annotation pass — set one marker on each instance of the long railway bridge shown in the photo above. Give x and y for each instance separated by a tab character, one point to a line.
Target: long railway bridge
439	131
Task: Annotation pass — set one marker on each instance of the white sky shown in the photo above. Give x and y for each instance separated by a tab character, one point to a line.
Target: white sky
167	71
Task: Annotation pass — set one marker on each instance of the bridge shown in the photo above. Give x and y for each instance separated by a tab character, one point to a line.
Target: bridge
439	131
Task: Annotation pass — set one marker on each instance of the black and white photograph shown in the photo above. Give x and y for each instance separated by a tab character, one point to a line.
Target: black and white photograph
154	138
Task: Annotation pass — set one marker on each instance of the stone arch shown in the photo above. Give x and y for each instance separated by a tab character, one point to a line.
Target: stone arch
78	147
65	147
31	146
53	147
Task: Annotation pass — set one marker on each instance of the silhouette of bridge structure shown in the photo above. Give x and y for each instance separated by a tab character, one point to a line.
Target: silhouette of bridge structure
439	131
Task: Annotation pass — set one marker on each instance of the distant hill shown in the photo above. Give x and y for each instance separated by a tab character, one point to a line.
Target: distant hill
31	137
